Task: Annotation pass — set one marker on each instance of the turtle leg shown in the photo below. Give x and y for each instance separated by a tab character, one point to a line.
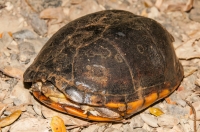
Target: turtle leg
70	109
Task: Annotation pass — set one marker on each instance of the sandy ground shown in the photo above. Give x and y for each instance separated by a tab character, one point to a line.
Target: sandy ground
26	25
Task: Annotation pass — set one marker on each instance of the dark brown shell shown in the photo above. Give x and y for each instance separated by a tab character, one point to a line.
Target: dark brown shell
108	56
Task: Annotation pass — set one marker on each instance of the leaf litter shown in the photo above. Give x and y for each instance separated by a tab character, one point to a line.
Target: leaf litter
25	27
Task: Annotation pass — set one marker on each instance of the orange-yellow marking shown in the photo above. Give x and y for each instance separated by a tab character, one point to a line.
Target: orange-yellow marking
99	118
75	111
115	105
57	106
133	107
48	102
71	110
150	99
164	93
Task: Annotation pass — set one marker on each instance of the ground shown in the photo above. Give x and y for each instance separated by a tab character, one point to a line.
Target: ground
26	25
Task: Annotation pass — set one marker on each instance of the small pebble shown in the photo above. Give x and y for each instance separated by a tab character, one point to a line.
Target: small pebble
30	110
81	10
39	25
127	128
17	101
136	122
186	127
195	14
149	119
110	129
181	102
13	56
7	101
147	127
167	121
26	51
117	126
177	110
30	125
194	97
184	93
91	128
7	112
5	41
177	128
20	94
139	130
162	129
3	94
153	13
40	5
9	6
24	34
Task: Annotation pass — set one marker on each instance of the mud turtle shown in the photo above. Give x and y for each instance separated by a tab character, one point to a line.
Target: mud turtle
105	66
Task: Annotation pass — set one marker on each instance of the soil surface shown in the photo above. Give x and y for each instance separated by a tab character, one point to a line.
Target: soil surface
26	25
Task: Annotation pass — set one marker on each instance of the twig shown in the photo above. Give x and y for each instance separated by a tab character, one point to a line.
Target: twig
27	2
194	112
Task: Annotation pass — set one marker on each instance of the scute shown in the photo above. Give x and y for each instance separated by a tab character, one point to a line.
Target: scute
110	58
96	68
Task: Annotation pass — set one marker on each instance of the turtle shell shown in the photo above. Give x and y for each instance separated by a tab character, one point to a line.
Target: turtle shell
112	59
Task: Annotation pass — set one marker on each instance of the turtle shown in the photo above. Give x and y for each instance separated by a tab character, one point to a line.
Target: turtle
105	66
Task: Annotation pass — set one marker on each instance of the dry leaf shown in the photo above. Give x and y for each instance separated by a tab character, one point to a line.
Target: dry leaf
10	23
155	111
10	119
181	6
21	94
31	124
15	108
57	124
189	49
53	13
13	72
189	5
148	3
